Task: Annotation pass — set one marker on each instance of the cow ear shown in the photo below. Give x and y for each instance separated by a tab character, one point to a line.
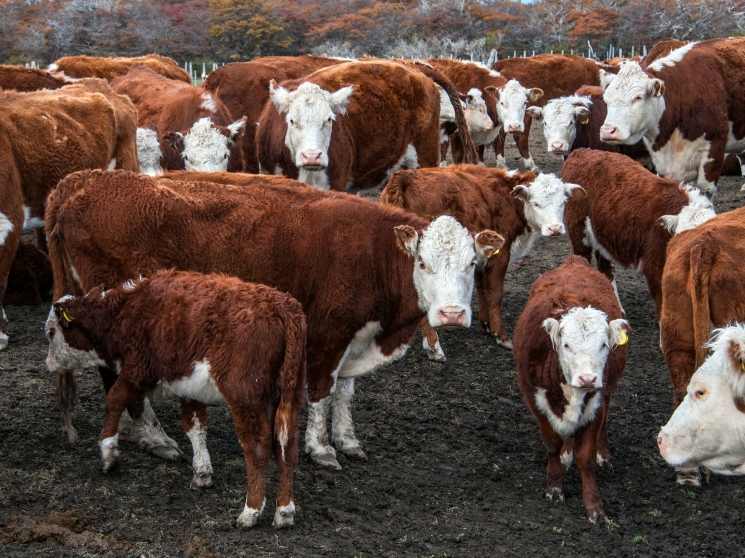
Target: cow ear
606	78
498	91
535	112
521	192
551	326
488	243
152	127
534	94
618	331
582	114
340	99
407	239
491	89
574	190
279	96
175	140
237	128
670	222
656	88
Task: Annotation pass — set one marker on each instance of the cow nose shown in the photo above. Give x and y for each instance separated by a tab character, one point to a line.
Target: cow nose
557	146
452	315
555	230
311	158
608	132
588	381
513	128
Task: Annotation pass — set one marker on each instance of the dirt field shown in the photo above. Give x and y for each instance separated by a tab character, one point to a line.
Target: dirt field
455	465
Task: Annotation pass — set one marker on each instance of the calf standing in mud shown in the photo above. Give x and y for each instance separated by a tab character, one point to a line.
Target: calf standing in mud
569	354
205	340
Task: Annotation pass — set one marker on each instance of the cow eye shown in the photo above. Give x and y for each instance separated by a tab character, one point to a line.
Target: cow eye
536	205
699	393
227	155
422	266
50	334
566	346
638	98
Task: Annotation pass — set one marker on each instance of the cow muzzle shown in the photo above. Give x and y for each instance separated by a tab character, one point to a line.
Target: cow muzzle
452	316
587	381
555	230
609	133
557	147
311	159
515	127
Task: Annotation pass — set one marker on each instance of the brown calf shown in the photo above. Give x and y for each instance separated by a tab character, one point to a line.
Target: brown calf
570	354
29	79
82	66
202	340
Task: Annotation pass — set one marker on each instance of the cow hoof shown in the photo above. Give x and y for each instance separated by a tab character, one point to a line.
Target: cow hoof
109	465
556	492
248	518
284	516
354	453
3	341
502	343
603	461
202	479
688	478
435	353
594	515
326	458
169	452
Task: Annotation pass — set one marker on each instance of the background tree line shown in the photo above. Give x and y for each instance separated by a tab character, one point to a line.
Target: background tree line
230	30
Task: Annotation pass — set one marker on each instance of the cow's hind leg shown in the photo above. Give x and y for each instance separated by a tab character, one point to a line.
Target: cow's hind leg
431	342
194	421
316	434
286	459
342	426
10	230
255	434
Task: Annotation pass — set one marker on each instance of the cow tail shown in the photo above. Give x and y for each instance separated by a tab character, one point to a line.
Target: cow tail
472	154
292	372
703	255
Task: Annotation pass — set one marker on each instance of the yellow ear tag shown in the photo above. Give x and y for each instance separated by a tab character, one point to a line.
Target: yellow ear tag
494	253
66	316
624	338
585	121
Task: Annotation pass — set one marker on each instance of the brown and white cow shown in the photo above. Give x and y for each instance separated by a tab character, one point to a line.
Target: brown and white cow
355	124
82	66
45	135
201	340
365	274
29	79
521	207
195	130
30	279
686	107
628	214
557	75
570	354
477	120
244	89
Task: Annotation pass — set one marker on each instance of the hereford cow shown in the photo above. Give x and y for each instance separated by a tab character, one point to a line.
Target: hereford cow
46	135
706	428
30	279
29	79
201	340
505	100
685	107
82	66
477	120
244	89
384	116
520	207
628	215
557	75
365	274
570	353
148	151
195	130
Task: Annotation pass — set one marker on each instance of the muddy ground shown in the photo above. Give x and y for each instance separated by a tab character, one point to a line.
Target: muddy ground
455	464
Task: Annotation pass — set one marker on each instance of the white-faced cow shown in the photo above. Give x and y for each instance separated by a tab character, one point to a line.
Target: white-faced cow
148	151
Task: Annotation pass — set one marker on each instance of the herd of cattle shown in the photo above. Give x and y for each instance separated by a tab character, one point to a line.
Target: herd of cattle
157	201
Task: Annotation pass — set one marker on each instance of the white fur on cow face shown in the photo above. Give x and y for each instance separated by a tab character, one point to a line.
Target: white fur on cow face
583	338
477	119
698	211
543	201
707	429
207	149
61	357
560	121
635	105
148	152
511	103
309	112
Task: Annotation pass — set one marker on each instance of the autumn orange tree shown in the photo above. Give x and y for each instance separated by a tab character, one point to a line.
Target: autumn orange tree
595	25
246	29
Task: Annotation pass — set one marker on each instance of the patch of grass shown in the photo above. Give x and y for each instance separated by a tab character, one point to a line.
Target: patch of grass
691	494
557	529
612	523
655	513
403	539
638	539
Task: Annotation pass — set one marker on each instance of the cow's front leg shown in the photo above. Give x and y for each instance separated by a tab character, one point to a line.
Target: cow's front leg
194	421
431	342
10	230
522	142
342	427
316	435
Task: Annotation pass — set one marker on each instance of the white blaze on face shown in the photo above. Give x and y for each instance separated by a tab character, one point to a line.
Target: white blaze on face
206	148
708	429
148	152
583	338
309	112
698	211
512	99
445	256
61	357
477	118
560	117
635	105
543	202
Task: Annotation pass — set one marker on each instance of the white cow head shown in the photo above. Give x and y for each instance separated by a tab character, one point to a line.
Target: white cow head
477	118
635	106
148	151
543	201
583	337
560	117
445	256
512	98
66	355
310	113
708	427
206	147
698	211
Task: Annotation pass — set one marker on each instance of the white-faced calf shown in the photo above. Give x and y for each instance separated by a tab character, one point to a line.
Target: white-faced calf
202	340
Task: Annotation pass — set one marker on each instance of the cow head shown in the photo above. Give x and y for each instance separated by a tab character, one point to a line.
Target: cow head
560	118
445	255
477	118
310	113
206	147
698	211
148	150
635	105
708	427
583	338
69	346
512	98
543	202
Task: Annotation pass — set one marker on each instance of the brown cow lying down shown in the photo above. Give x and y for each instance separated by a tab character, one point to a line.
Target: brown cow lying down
82	66
520	206
365	274
30	280
355	124
628	215
201	340
45	135
195	130
29	79
570	353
